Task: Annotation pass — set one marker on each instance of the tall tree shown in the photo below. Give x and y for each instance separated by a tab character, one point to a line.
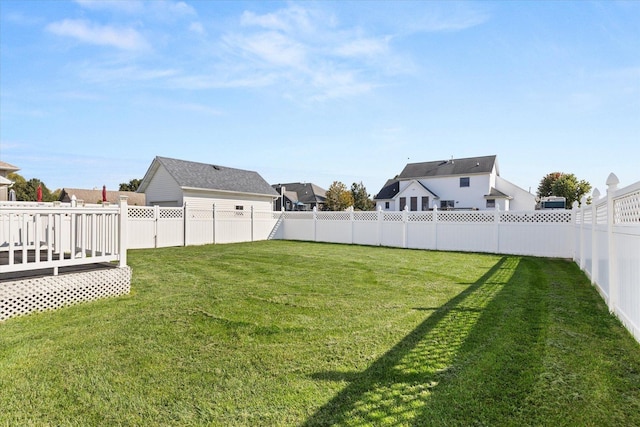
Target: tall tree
565	185
132	185
361	199
338	197
28	190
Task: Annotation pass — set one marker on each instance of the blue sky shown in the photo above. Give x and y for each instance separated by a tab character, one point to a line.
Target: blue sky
92	91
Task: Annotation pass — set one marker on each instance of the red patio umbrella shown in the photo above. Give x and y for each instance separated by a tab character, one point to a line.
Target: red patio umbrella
39	193
104	193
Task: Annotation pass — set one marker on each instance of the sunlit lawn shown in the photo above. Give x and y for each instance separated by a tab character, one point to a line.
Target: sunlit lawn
290	333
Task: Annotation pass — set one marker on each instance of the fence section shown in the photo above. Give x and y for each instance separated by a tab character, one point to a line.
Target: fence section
156	227
607	242
537	233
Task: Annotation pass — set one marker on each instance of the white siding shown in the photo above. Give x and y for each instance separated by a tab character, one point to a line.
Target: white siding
163	190
206	199
522	200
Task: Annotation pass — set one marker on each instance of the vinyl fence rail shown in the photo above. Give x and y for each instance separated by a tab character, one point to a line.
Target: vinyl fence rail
42	236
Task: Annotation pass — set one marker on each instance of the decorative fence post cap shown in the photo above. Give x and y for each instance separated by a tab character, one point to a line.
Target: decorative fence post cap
595	194
612	181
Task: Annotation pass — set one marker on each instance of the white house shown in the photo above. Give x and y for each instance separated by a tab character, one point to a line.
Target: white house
5	182
173	182
472	183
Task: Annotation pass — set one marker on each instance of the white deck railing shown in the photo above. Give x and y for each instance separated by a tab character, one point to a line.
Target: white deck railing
39	236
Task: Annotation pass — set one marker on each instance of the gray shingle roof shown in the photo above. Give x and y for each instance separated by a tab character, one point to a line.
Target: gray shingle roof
471	165
389	191
305	192
213	177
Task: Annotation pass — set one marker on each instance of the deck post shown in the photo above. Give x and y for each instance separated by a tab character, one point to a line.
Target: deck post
123	231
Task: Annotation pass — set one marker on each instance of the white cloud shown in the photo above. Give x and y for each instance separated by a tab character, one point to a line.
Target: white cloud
136	7
272	47
114	73
196	27
103	35
364	47
128	6
293	18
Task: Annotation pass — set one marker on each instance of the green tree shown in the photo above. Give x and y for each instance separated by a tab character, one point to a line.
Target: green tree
130	186
361	199
28	190
338	197
565	185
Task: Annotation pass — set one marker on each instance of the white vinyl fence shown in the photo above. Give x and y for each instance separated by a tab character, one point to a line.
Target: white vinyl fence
607	249
537	233
156	227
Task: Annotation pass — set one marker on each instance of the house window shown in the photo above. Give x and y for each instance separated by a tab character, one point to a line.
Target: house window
447	204
491	203
464	181
386	205
414	203
239	207
425	203
403	203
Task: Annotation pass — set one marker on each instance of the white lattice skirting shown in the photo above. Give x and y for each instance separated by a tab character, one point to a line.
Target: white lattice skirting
47	293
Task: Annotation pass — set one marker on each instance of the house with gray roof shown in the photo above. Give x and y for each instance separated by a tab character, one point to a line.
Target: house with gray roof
173	182
94	196
472	183
299	196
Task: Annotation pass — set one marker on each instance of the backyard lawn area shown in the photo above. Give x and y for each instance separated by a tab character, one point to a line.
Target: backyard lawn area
280	333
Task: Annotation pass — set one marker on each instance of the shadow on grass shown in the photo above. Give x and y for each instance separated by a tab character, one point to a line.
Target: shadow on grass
400	387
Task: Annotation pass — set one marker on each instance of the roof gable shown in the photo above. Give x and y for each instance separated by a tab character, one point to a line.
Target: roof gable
467	166
203	176
305	192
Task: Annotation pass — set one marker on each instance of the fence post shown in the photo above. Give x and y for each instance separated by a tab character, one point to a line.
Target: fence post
594	235
156	216
187	225
583	207
405	225
124	234
214	223
435	226
612	186
252	223
380	225
496	222
315	219
352	219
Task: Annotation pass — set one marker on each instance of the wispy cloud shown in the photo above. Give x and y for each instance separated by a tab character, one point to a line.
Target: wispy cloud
132	7
364	47
102	35
107	72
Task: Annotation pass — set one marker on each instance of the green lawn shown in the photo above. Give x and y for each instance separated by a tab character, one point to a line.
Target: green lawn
290	333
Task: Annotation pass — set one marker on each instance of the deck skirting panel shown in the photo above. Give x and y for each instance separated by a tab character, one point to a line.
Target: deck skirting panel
30	295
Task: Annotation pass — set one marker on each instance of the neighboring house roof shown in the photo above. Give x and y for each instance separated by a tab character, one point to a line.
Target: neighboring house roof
6	167
304	192
467	166
497	194
389	191
4	181
95	196
203	176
